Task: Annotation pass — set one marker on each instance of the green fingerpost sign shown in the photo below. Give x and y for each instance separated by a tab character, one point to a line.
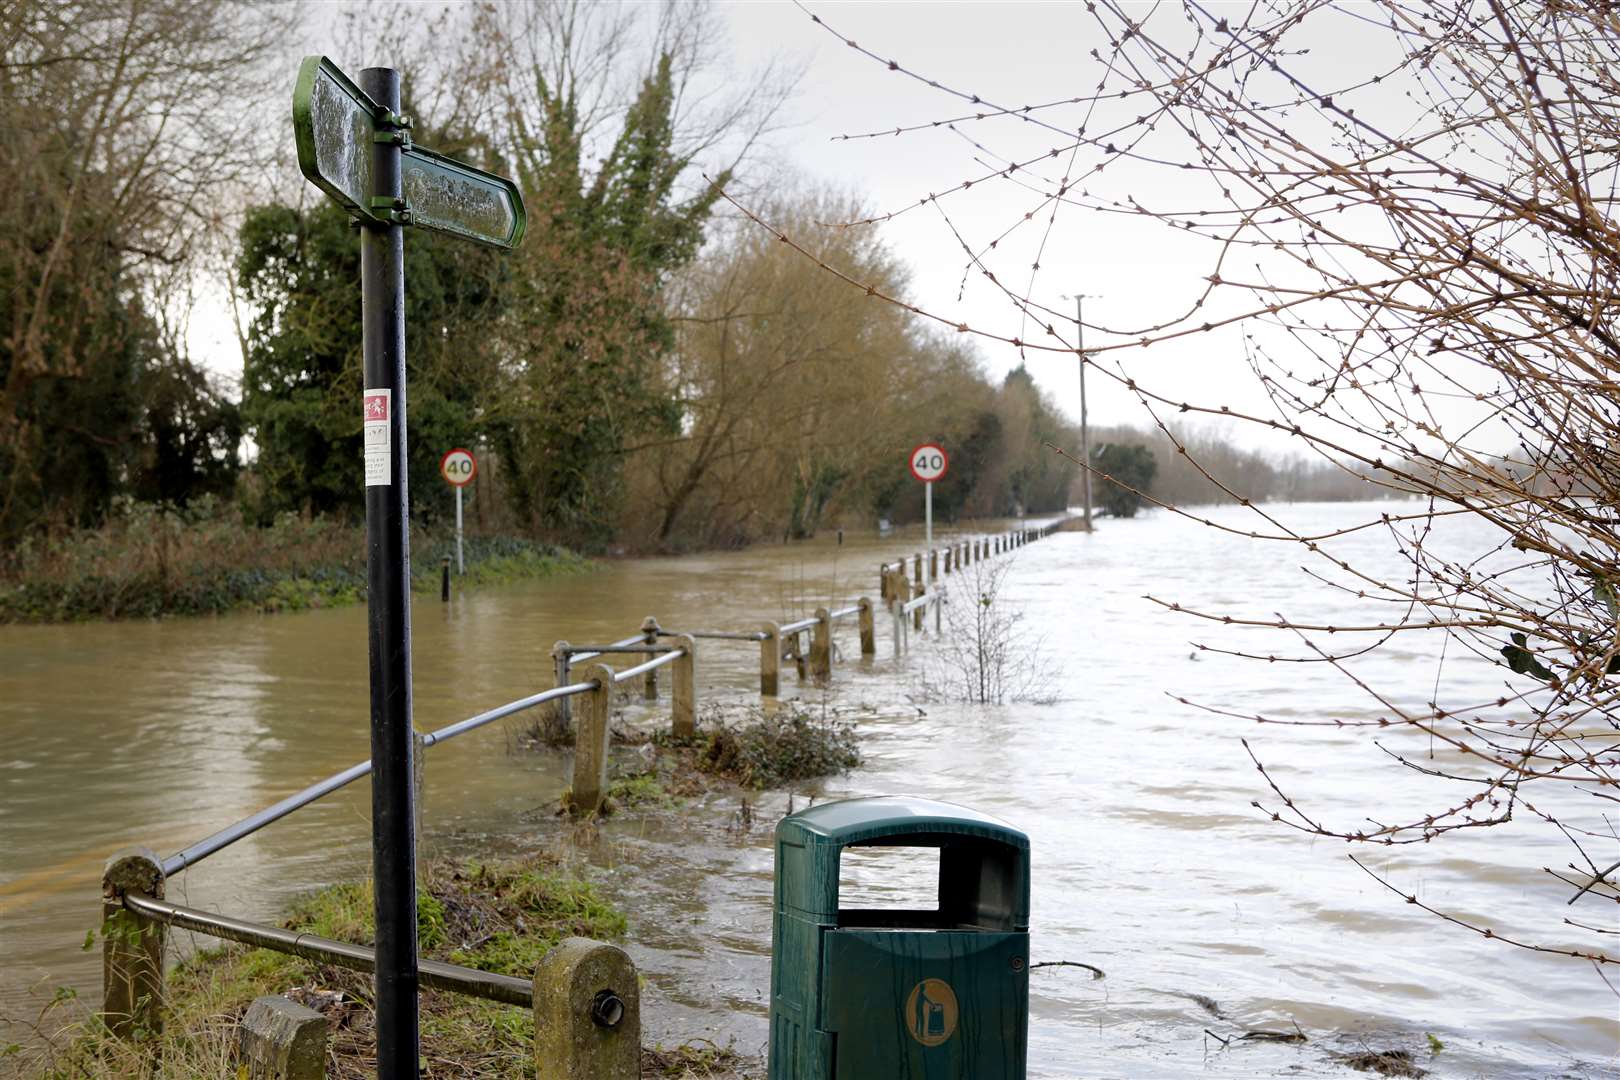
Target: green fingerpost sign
335	124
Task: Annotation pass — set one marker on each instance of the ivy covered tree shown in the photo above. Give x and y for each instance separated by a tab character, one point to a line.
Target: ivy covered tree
1129	469
299	271
589	328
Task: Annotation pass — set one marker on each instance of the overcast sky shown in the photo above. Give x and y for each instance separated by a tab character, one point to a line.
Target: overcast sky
1009	53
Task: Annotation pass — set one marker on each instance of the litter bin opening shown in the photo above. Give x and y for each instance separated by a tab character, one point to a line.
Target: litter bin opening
979	886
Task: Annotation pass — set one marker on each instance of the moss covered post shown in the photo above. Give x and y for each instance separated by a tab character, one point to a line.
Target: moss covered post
132	948
683	689
591	743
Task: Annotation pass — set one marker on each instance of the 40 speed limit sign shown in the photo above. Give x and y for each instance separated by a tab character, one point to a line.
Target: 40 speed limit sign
458	467
929	462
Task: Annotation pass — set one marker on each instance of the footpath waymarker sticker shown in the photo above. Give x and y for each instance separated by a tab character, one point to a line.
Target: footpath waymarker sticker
379	445
458	467
929	462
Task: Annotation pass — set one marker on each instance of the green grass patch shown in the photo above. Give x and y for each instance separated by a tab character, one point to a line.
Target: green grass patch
500	916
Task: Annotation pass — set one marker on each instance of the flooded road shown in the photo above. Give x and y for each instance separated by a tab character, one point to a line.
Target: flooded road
1149	861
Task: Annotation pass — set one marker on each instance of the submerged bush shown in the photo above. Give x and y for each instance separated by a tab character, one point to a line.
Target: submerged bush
771	749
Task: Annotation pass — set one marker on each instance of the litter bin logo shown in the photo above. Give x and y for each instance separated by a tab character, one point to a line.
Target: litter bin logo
931	1012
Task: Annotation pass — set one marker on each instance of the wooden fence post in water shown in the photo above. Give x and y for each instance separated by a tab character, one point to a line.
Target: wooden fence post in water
868	630
587	1013
821	647
591	743
561	674
683	689
916	570
649	635
132	948
770	660
933	564
917	616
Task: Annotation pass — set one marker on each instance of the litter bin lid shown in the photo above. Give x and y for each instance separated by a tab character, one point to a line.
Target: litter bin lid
856	821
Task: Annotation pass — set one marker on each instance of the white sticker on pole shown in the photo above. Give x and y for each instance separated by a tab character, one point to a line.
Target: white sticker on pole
378	441
929	462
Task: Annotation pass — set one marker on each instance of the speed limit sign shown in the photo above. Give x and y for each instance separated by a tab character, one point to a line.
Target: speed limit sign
459	467
928	462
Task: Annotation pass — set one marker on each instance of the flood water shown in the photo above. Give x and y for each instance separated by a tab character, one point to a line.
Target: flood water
1149	861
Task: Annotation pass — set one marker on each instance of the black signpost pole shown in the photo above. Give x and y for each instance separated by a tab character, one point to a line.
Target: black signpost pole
388	603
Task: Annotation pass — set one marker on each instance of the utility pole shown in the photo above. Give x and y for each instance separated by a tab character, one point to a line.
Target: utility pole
1085	435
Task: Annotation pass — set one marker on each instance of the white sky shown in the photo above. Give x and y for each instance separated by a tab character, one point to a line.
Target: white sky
1010	53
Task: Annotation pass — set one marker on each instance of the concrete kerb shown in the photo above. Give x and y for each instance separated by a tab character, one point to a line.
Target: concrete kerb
281	1040
587	1013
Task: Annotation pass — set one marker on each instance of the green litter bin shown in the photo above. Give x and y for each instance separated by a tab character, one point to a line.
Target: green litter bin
900	994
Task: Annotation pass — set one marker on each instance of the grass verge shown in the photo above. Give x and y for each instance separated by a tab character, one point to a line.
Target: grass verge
151	561
499	916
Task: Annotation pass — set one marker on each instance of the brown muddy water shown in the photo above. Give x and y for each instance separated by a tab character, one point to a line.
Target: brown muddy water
1148	860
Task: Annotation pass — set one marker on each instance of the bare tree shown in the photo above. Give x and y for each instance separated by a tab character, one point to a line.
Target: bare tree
125	135
1414	240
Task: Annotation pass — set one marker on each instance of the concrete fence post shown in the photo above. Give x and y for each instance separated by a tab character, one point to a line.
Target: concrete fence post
868	630
561	674
883	582
917	616
591	738
897	626
916	570
132	948
587	1013
683	689
939	610
770	660
933	564
821	647
649	635
282	1040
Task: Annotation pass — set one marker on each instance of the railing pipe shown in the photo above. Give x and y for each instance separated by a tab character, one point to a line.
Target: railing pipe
501	712
666	656
207	846
844	613
587	652
797	627
432	973
717	635
580	658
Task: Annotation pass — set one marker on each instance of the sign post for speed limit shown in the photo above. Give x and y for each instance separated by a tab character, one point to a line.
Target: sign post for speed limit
458	467
928	463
